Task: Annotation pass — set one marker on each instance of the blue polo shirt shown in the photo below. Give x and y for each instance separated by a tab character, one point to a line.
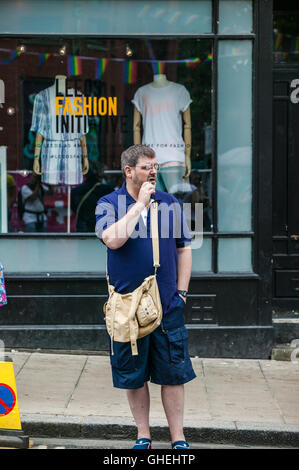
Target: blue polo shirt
131	263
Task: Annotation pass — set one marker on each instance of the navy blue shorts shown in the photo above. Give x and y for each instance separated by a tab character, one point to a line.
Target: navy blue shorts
162	358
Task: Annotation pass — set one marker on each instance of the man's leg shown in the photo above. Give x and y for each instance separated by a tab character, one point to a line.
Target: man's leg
173	403
139	401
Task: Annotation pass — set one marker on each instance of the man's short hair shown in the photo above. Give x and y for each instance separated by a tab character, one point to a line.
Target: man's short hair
130	156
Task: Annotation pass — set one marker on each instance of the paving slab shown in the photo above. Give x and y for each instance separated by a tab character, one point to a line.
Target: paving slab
46	382
237	390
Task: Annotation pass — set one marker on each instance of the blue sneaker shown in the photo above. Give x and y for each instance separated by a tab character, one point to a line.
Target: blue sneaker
183	445
143	443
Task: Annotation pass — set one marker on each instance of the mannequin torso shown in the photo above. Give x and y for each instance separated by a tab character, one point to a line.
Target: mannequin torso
159	82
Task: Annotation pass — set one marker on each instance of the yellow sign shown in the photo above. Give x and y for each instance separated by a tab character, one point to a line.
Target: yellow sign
9	408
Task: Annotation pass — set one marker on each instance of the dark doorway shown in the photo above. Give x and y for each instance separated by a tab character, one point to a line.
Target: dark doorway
286	189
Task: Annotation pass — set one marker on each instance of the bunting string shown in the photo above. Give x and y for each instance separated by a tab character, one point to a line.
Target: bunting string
283	45
130	67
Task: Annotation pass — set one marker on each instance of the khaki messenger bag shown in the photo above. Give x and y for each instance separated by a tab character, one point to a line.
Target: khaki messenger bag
138	313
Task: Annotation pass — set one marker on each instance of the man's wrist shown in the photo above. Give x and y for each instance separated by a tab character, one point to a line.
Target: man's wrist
182	292
139	205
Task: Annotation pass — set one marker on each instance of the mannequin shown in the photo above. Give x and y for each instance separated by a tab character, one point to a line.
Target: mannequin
164	109
160	80
44	128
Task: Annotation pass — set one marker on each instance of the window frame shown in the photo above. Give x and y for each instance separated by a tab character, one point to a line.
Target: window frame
257	65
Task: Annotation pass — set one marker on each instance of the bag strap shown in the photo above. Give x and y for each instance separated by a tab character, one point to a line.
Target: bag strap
155	234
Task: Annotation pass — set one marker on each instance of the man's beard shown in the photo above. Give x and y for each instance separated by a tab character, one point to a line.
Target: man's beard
138	182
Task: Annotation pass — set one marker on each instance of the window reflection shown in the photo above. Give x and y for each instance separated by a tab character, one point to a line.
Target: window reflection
285	33
84	197
76	165
235	16
234	164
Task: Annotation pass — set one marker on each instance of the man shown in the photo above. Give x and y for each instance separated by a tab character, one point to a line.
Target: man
32	208
163	355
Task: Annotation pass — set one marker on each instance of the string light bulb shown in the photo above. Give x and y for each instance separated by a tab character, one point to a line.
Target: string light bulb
129	51
11	111
62	50
21	48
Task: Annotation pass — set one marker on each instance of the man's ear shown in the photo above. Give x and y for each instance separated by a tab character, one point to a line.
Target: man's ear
128	171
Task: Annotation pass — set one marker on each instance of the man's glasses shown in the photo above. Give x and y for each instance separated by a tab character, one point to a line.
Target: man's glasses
156	166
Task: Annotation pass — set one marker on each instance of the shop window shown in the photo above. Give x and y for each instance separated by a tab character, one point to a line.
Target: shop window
235	255
285	32
7	191
234	147
49	255
102	60
201	255
109	74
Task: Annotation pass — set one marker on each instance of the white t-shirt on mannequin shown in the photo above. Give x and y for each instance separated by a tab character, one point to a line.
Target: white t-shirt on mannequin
161	109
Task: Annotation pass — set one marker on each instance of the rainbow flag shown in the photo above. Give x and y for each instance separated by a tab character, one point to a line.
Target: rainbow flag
13	56
295	44
192	63
101	65
209	58
152	57
130	71
74	65
150	49
43	58
278	41
158	67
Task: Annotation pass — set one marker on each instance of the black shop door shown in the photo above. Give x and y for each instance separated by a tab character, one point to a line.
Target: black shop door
286	190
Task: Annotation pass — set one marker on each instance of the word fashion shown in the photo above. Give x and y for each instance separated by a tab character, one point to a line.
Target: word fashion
86	105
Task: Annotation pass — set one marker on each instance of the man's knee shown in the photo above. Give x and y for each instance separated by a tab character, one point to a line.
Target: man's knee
133	391
172	387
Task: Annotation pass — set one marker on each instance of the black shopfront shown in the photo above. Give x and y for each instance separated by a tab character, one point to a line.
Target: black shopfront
221	51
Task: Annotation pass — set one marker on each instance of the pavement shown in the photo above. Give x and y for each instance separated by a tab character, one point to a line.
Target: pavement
232	401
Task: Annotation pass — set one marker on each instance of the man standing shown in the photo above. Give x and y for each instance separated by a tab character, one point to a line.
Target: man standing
162	355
